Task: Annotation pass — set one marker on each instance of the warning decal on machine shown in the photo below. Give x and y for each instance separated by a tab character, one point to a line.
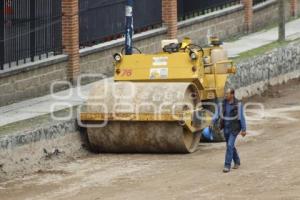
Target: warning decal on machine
158	73
160	61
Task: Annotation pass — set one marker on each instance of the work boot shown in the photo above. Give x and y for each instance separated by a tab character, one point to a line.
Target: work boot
226	170
236	166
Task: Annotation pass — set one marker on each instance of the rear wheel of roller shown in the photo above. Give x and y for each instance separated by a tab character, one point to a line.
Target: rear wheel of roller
143	137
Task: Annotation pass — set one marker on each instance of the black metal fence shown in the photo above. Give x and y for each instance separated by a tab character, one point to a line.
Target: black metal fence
258	1
29	30
192	8
104	20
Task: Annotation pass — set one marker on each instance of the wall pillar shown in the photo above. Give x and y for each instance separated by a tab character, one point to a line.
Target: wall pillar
294	7
248	15
169	17
70	35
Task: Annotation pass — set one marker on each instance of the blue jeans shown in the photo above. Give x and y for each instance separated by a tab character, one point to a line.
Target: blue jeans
231	151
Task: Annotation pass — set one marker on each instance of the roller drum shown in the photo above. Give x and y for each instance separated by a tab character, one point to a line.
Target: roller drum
143	136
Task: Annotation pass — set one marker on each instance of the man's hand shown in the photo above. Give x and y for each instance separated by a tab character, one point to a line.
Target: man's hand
243	133
212	125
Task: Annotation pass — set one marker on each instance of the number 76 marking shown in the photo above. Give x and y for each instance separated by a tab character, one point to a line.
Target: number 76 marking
126	72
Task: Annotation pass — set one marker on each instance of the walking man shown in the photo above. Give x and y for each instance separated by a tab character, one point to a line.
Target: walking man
233	123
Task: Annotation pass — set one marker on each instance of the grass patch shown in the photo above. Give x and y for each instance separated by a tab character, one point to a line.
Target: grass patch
261	50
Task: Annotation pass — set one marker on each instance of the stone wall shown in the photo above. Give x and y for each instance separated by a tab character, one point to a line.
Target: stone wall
30	80
265	11
275	67
224	24
267	14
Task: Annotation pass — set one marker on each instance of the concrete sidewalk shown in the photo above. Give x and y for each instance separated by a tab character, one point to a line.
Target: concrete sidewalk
76	96
261	38
42	105
45	105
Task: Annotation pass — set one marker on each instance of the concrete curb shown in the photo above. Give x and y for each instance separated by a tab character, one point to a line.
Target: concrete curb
47	132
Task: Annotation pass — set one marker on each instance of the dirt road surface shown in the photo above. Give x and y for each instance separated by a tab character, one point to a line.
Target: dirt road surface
270	169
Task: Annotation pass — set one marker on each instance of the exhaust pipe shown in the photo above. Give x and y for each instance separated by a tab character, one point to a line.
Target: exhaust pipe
129	27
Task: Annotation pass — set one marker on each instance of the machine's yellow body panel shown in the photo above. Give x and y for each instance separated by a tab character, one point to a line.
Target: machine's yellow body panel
154	67
175	67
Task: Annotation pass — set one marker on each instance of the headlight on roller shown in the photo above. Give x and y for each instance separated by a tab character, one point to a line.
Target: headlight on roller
117	57
193	55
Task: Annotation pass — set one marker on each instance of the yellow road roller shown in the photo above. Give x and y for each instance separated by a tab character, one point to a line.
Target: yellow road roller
157	103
